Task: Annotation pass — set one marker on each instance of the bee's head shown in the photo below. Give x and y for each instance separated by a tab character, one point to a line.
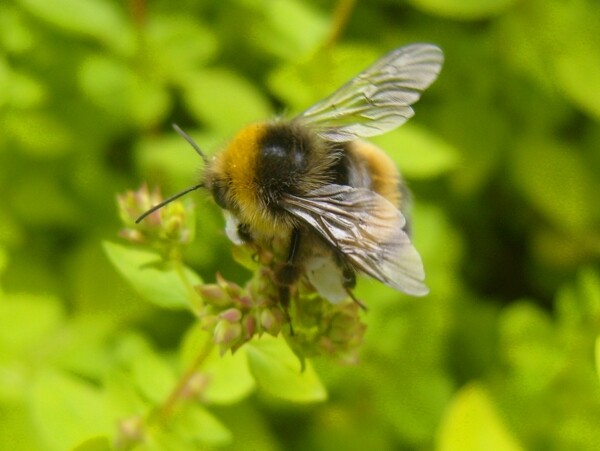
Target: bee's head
249	175
231	176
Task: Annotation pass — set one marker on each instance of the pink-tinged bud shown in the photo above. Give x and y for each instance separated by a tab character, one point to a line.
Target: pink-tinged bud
267	320
226	333
212	293
249	324
232	315
233	290
270	322
246	301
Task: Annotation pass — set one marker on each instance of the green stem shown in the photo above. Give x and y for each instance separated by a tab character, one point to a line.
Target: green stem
163	412
341	16
195	299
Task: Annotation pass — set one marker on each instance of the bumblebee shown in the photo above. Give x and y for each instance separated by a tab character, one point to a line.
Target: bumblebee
336	201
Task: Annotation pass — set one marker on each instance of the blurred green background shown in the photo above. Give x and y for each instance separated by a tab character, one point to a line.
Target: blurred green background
503	157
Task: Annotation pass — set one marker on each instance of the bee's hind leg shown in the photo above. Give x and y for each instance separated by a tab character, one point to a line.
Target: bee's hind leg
287	274
349	282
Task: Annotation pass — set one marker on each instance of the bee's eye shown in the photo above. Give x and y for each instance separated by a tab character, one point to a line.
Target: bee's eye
219	193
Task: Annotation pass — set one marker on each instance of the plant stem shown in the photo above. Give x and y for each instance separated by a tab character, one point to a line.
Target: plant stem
163	412
138	12
341	16
195	299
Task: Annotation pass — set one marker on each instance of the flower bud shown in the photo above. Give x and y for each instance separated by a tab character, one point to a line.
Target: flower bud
232	315
249	324
270	322
226	333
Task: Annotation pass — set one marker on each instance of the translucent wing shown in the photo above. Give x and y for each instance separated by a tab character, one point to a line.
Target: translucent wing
367	229
379	99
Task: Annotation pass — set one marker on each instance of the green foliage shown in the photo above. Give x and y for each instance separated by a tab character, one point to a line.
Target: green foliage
278	372
111	345
165	284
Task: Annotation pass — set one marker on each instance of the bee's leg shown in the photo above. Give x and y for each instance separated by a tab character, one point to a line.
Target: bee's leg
349	283
287	274
243	231
284	300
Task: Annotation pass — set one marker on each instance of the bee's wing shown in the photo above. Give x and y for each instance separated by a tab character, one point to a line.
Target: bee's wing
378	99
367	229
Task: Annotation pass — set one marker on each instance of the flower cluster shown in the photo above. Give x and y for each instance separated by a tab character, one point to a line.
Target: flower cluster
333	330
312	325
235	314
168	229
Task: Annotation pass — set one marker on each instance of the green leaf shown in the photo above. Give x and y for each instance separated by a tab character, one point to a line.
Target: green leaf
39	134
18	431
463	9
589	286
529	346
410	399
26	320
198	426
123	399
98	19
284	37
597	352
157	281
224	100
570	37
16	35
472	424
101	443
148	370
229	377
27	92
299	84
278	371
3	254
58	207
67	410
125	95
418	152
169	160
578	74
178	45
556	180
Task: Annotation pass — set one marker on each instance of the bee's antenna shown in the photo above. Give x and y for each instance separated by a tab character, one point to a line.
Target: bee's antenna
168	200
189	139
